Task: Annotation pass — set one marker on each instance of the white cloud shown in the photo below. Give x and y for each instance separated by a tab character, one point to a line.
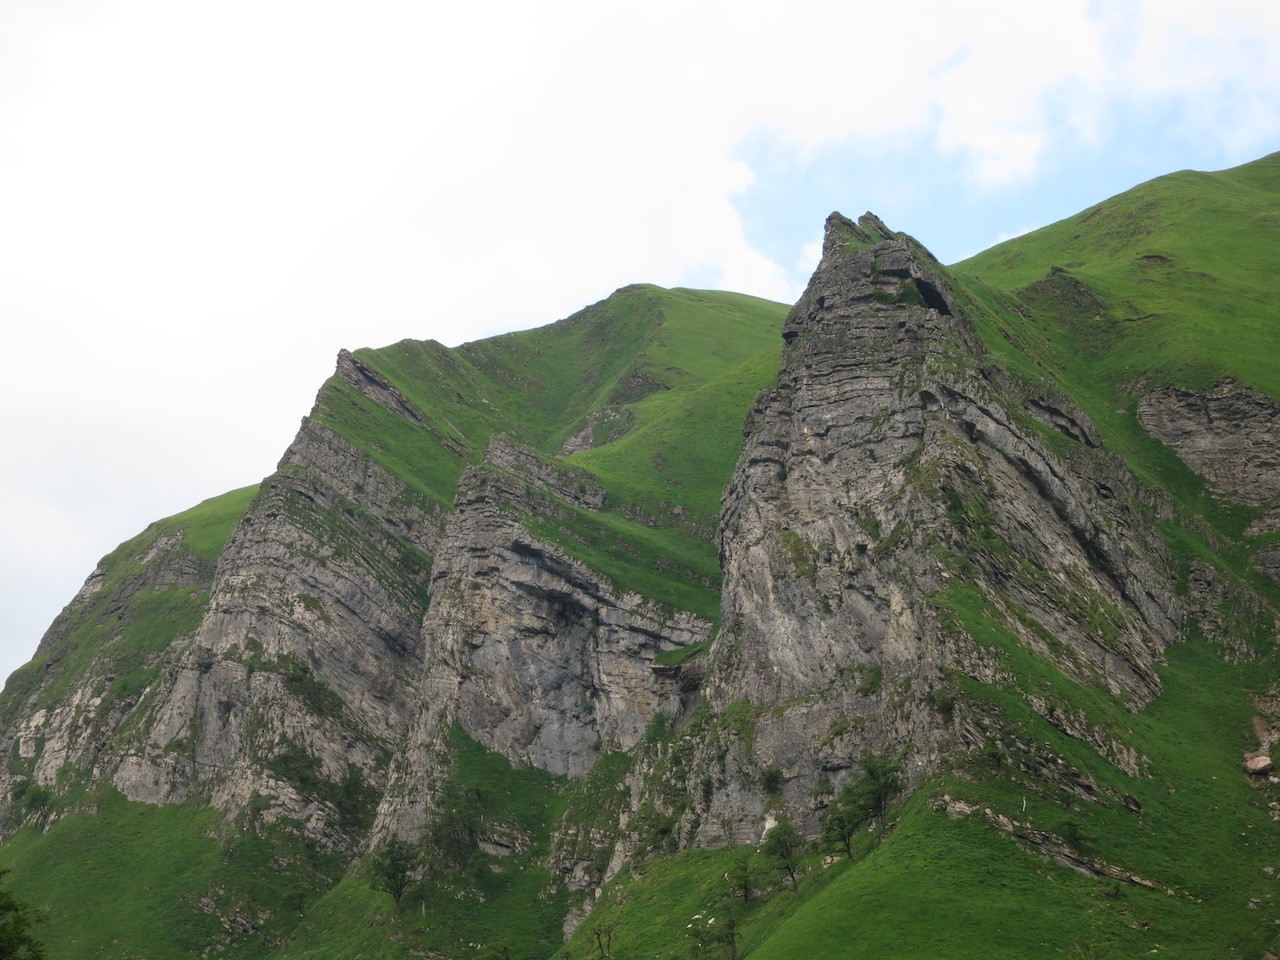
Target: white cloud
199	204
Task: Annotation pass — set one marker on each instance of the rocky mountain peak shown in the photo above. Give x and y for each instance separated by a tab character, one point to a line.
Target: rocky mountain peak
867	269
891	506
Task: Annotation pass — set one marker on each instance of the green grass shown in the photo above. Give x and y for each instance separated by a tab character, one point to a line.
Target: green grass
676	454
662	564
671	907
136	881
1191	254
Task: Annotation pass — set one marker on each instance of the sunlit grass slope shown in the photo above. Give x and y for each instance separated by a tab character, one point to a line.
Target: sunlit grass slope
128	880
1185	268
1172	281
660	382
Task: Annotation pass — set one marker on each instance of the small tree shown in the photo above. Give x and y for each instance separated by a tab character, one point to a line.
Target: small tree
860	802
785	845
393	863
16	941
37	801
454	831
881	783
842	823
725	933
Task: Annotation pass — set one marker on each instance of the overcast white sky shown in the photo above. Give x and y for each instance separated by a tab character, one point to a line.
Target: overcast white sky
200	203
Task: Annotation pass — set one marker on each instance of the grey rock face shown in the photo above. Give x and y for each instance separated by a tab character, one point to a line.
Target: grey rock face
534	654
310	642
1230	435
572	486
1228	611
1268	561
54	726
892	469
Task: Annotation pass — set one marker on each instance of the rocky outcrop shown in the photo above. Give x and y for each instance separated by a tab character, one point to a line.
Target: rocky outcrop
599	426
375	386
1267	560
575	487
63	710
303	670
1229	612
1229	434
889	500
534	654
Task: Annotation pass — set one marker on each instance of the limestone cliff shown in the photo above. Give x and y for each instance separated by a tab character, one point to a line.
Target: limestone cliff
895	493
303	668
531	652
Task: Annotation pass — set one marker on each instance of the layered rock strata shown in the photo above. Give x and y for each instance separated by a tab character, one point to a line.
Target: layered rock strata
890	490
534	654
1229	434
303	670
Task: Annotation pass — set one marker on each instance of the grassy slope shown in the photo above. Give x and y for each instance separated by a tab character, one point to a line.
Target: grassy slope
645	353
676	370
132	880
1185	264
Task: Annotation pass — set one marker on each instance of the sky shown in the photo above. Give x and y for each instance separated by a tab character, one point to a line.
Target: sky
201	203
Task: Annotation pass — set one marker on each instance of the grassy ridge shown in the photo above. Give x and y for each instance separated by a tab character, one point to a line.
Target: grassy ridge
667	376
1185	267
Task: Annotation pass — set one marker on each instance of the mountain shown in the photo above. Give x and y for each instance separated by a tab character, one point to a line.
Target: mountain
965	577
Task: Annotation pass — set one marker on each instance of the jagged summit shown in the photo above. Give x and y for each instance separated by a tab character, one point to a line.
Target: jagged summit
889	482
868	269
840	231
